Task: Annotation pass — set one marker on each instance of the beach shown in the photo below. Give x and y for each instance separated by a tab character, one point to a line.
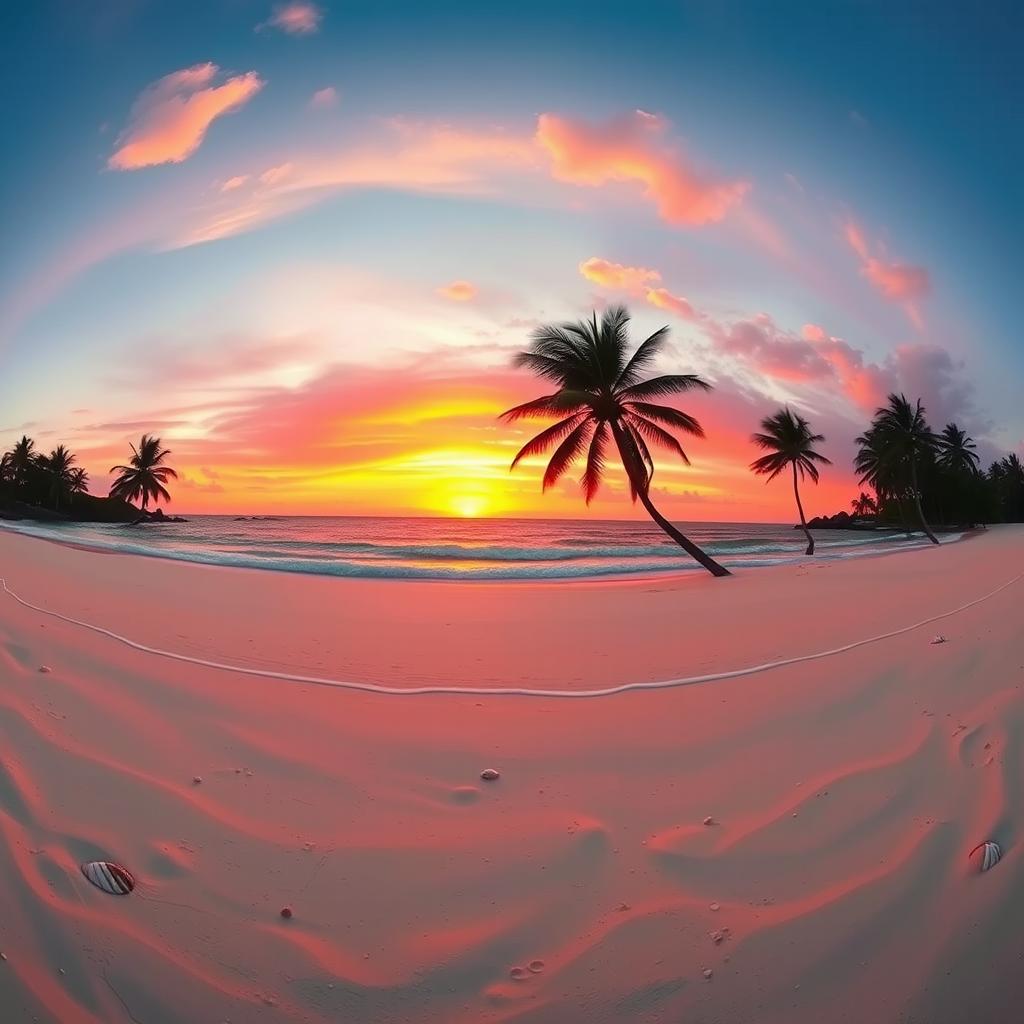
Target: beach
843	793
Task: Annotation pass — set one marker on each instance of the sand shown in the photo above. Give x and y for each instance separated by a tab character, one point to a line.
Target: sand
832	884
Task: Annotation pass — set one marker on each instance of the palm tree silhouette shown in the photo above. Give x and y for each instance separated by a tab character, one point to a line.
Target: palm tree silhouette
863	505
898	440
59	465
79	481
788	440
956	450
23	458
146	474
601	395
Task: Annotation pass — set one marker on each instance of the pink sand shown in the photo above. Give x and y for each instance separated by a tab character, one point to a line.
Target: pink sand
846	793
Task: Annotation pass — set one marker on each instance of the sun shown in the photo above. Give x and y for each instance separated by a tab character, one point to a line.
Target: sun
469	506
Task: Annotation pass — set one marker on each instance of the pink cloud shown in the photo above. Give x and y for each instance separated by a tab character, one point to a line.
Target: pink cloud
236	182
275	175
633	149
897	282
170	118
664	299
458	291
812	332
297	19
615	275
324	98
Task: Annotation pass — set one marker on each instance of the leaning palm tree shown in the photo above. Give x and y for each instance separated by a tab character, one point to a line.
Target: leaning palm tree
906	440
956	451
145	475
59	465
788	440
79	481
601	395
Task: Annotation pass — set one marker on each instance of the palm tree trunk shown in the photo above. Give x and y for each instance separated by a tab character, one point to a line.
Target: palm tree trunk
803	520
681	539
641	484
917	503
903	516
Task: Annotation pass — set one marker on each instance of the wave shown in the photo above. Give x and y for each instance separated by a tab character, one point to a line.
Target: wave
527	563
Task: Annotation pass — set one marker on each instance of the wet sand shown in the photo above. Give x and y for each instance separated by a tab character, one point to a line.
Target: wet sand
845	793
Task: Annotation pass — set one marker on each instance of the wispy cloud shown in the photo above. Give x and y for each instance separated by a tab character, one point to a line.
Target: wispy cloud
299	18
897	282
324	99
458	291
634	149
169	120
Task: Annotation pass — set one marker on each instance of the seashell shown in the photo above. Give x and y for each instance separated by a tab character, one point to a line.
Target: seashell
709	820
518	974
707	972
991	854
536	966
490	774
286	912
45	669
940	639
112	878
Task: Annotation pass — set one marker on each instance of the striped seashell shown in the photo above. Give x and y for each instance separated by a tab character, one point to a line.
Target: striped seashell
112	878
991	854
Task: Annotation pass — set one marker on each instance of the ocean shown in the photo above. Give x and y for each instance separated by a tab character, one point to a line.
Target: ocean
464	549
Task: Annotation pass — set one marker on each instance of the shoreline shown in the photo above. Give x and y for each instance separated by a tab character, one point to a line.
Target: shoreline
843	796
625	576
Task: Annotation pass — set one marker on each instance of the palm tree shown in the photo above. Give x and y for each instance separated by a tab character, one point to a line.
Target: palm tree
788	440
23	458
6	469
601	395
146	474
59	465
906	440
79	481
864	505
956	450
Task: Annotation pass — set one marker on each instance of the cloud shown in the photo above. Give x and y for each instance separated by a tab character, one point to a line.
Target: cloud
633	149
458	291
275	175
664	299
236	182
297	19
169	120
323	99
896	282
615	275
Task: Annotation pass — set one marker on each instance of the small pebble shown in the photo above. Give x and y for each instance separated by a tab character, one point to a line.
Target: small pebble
708	973
517	974
715	906
709	820
490	774
536	966
3	956
44	669
286	911
197	780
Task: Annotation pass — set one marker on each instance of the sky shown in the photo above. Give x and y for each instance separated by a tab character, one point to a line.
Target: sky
301	242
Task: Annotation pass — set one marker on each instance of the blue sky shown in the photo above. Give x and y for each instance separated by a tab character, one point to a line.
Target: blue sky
832	190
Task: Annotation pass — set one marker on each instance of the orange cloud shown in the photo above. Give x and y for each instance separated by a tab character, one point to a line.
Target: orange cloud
615	275
297	19
275	175
236	182
632	149
664	299
458	291
170	118
324	98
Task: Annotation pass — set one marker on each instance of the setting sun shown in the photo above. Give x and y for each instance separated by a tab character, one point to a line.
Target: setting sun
469	505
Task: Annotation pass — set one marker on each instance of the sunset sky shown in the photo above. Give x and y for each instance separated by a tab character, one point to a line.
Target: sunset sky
302	241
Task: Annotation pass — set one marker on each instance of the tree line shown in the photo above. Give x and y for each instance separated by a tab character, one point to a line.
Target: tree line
602	399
